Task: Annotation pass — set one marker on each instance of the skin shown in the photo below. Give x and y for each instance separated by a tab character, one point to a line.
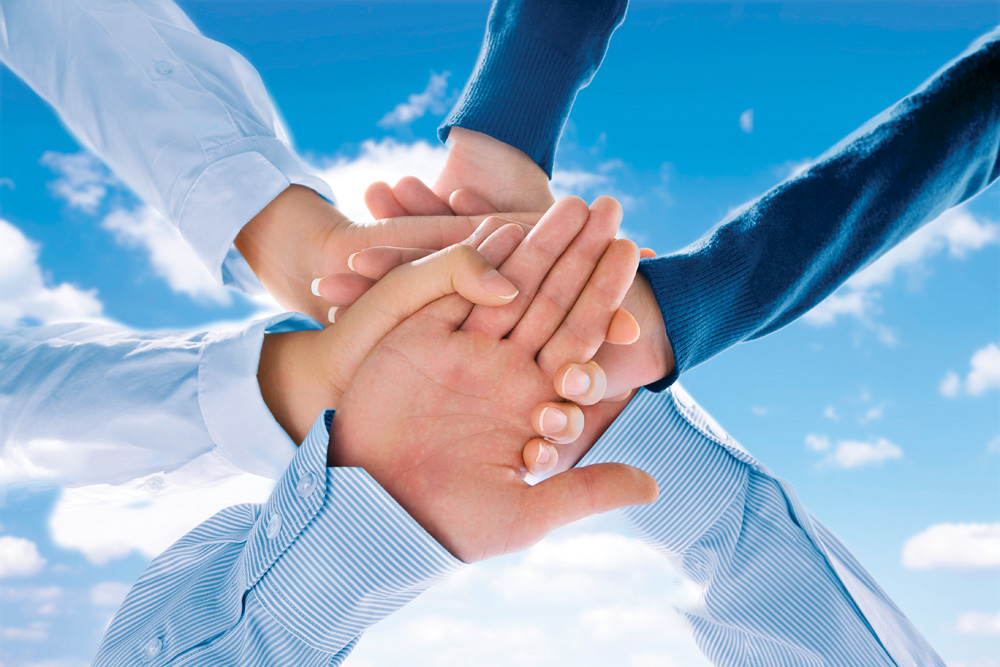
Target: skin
483	175
461	385
299	236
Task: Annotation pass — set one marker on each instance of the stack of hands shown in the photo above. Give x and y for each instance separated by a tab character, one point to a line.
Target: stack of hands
468	347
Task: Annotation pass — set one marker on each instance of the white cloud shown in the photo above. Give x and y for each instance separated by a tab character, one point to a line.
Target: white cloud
7	183
873	413
817	443
148	514
108	593
385	160
27	295
975	623
651	660
19	557
83	180
956	232
746	121
759	410
434	98
36	600
171	258
984	374
36	632
950	385
993	446
831	413
589	567
620	622
956	546
849	454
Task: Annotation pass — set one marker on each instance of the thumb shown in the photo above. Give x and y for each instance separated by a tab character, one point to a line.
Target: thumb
405	290
581	492
467	202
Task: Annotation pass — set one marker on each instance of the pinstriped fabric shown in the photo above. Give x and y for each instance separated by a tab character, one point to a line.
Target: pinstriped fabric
777	586
292	582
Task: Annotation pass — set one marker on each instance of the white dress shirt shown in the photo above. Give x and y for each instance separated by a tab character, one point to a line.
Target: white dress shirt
184	120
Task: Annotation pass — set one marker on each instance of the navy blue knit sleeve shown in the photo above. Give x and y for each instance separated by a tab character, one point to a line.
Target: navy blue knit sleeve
536	55
784	253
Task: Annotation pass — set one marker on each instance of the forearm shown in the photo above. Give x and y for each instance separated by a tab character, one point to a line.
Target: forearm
96	403
247	587
187	122
536	56
782	254
774	583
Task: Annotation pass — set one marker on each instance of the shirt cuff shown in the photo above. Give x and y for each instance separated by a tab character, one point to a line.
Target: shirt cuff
332	553
234	412
706	304
242	178
521	93
699	467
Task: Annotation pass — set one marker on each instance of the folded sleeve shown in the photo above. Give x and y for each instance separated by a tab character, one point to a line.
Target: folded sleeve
184	120
536	56
776	587
292	582
784	253
90	403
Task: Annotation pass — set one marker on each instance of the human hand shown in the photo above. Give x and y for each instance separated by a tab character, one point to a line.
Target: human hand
455	385
480	175
646	360
300	235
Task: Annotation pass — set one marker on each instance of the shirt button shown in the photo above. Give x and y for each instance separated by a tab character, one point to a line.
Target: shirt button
273	526
152	648
163	68
306	485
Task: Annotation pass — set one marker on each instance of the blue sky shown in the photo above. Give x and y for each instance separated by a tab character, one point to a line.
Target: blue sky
882	406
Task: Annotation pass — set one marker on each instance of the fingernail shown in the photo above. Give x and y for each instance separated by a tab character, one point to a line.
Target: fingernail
575	382
499	285
552	420
543	454
332	315
350	261
315	286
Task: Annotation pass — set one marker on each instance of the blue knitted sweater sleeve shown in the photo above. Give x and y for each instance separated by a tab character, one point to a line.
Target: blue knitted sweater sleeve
785	252
536	55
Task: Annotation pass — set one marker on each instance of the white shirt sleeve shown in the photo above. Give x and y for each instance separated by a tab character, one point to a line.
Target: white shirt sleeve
182	119
97	403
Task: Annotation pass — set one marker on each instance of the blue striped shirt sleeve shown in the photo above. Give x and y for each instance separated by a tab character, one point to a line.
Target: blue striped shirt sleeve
292	582
777	588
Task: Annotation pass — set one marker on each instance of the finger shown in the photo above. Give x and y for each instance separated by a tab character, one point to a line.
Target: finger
624	329
375	262
413	195
371	264
540	457
341	289
381	203
588	323
433	231
565	283
647	253
407	289
529	264
467	202
583	384
581	492
559	423
453	309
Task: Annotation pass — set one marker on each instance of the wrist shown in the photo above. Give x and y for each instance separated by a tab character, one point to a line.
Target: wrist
288	380
285	245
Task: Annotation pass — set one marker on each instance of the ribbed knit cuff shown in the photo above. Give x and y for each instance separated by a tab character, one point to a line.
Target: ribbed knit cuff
521	94
706	302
